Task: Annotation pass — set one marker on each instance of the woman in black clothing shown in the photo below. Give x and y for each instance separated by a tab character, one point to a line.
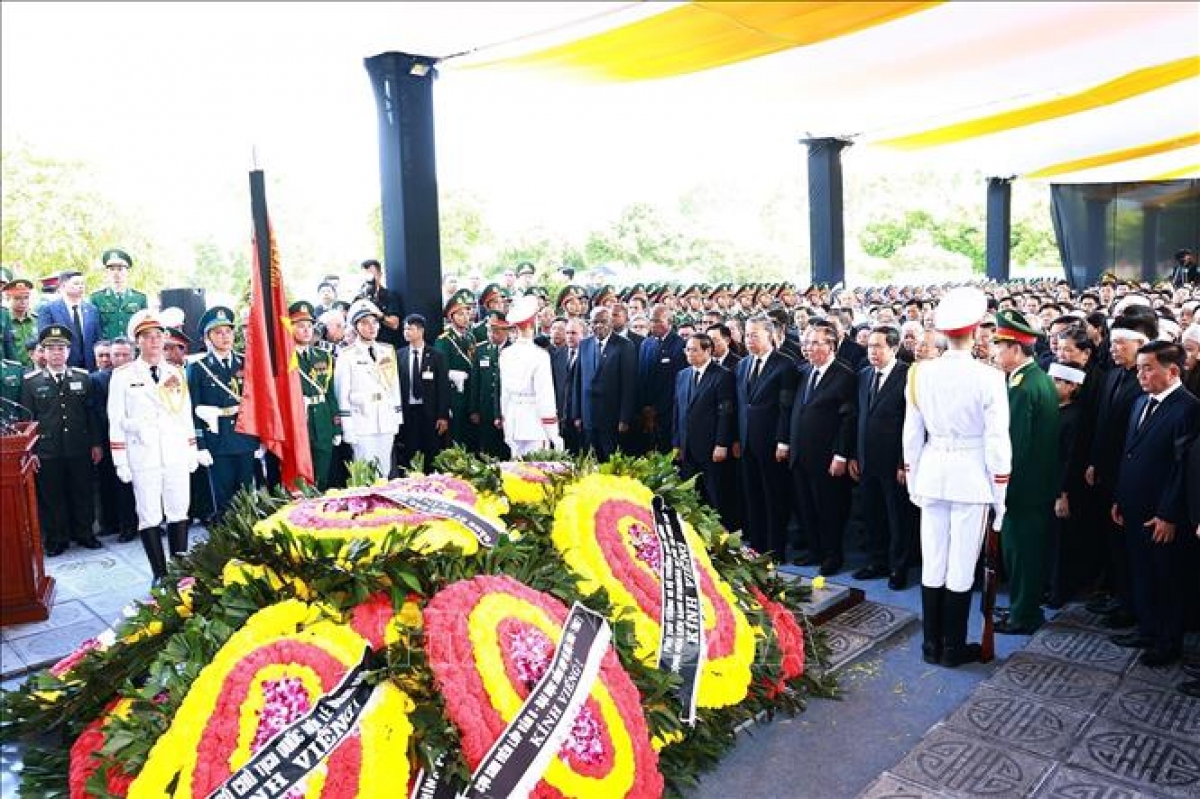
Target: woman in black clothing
1066	533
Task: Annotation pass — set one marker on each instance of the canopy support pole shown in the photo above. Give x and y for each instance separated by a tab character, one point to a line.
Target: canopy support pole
1150	217
403	85
826	230
1096	209
999	228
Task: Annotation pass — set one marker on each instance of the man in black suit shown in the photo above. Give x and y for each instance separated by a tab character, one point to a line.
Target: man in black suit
820	442
661	358
722	337
117	511
1116	398
703	425
1149	502
766	388
424	395
604	399
387	301
878	463
564	364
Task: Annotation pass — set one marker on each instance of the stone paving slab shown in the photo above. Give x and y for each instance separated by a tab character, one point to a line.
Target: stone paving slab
71	611
1073	783
1156	764
1018	720
1156	708
1079	616
1167	676
44	648
82	578
1052	680
889	786
872	619
845	646
11	661
963	765
1081	647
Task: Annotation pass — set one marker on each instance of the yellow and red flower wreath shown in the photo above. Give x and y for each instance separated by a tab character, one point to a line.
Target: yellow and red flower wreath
529	481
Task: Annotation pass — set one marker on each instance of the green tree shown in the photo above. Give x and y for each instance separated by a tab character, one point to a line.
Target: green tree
220	272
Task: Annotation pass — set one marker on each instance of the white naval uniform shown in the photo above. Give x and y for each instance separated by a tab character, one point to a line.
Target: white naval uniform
958	457
151	431
368	394
527	402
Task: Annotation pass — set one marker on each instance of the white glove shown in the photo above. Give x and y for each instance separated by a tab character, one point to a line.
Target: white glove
204	457
260	453
337	441
556	442
998	520
210	415
124	474
459	378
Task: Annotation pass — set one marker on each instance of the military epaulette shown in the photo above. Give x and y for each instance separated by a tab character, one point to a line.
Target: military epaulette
31	374
77	369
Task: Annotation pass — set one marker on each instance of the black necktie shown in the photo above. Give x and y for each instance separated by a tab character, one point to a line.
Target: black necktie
755	371
812	386
371	351
696	380
154	373
875	386
78	326
416	375
571	359
1150	406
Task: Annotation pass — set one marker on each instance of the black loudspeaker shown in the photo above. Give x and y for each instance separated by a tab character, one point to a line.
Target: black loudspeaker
193	305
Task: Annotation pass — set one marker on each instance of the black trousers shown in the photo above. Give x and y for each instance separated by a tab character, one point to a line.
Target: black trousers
824	505
717	486
887	517
418	434
1159	580
64	488
601	440
118	513
766	490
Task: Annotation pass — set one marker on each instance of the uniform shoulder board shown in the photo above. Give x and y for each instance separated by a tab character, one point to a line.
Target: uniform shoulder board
31	374
80	371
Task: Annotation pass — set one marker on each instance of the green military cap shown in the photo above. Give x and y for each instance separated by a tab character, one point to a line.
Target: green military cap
340	305
175	335
115	257
637	290
1011	325
537	291
55	334
525	268
569	291
603	294
462	299
216	316
302	311
8	284
490	292
690	290
496	318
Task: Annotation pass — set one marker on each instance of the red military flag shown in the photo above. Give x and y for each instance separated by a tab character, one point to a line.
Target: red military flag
272	400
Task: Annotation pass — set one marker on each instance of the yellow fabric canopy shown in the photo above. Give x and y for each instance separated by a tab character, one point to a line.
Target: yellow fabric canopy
1116	156
700	36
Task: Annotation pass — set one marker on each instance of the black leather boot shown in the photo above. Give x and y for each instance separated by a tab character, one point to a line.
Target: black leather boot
154	552
177	538
956	609
931	620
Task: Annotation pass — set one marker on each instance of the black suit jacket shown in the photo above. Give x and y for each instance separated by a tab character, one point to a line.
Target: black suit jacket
1112	416
563	376
704	414
763	409
852	354
881	423
1150	483
730	362
605	393
435	388
825	425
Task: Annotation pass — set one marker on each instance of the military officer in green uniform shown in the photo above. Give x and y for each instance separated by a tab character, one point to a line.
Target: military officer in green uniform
320	400
117	303
485	388
11	373
457	345
492	298
8	344
1033	431
68	445
21	319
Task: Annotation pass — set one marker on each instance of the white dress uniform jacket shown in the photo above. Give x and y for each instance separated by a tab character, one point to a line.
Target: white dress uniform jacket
150	424
368	391
527	401
956	444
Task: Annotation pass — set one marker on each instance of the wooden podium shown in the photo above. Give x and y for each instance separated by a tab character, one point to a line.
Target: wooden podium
26	591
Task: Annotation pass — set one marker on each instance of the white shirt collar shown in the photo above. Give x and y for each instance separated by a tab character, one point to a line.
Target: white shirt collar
1167	392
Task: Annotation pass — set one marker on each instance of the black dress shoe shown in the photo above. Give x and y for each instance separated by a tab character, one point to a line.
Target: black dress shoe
1006	627
897	581
54	550
1192	669
1190	688
1158	658
806	560
126	536
830	567
1119	619
870	573
91	542
1134	640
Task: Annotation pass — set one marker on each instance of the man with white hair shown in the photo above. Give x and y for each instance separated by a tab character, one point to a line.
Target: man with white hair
957	457
527	406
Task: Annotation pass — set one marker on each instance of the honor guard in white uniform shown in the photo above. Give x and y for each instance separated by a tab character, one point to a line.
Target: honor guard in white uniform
368	390
527	405
153	439
957	458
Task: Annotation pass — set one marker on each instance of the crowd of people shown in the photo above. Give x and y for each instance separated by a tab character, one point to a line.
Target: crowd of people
912	413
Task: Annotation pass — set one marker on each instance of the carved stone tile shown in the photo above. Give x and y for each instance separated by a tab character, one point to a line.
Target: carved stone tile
873	619
844	646
1157	708
1053	680
1018	720
1081	647
1073	783
1157	764
963	765
889	786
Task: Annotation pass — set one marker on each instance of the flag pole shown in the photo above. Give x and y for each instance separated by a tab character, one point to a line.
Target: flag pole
262	245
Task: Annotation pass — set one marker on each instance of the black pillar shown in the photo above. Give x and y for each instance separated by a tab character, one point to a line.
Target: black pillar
1096	246
999	228
412	257
826	232
1150	215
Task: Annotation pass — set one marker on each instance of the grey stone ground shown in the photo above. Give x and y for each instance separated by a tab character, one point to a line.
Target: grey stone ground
1064	714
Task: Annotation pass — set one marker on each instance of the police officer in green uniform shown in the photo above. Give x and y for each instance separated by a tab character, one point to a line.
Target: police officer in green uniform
320	400
1033	431
485	388
68	445
457	344
117	303
492	298
21	319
